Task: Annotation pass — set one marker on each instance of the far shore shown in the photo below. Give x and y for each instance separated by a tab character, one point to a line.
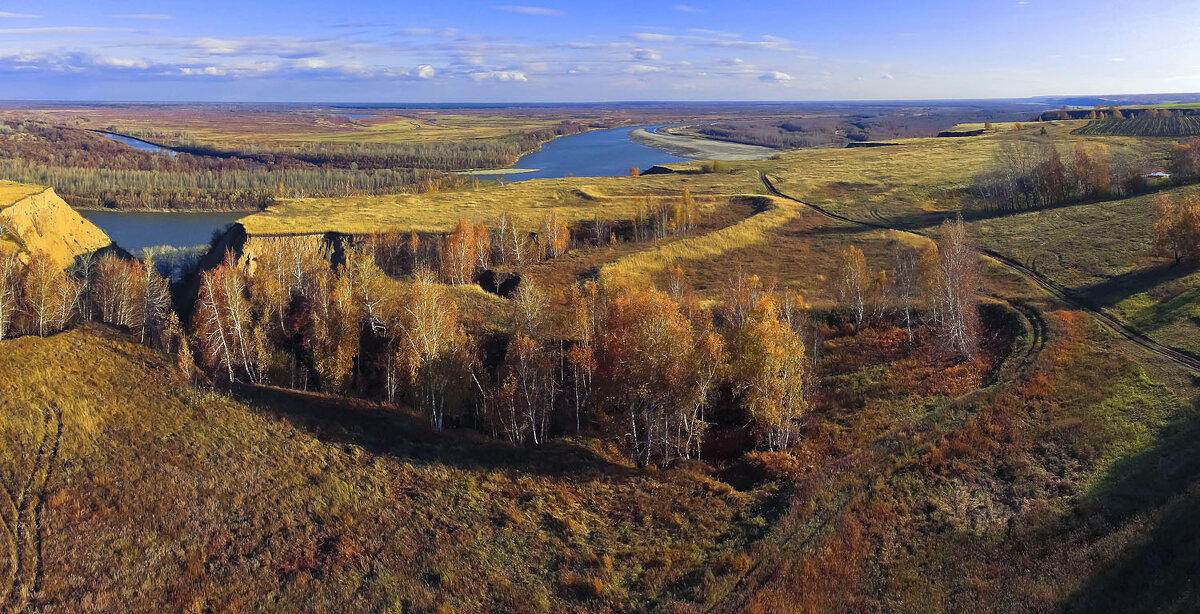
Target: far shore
485	172
699	148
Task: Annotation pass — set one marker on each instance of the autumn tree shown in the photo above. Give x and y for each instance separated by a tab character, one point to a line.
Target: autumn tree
645	353
685	215
556	237
950	278
853	281
512	242
1177	226
50	294
332	336
582	323
458	254
223	322
483	247
1090	170
432	345
115	290
770	369
154	303
1185	159
531	370
175	342
10	288
906	287
742	293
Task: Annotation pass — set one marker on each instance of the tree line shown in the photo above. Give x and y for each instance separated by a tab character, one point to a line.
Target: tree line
496	152
651	368
1026	175
639	364
91	170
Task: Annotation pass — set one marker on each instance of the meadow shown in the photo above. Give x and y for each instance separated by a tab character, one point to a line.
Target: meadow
1053	469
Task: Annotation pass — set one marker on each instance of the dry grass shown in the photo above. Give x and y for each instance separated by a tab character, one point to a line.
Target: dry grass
1103	252
11	192
280	128
161	498
615	198
916	177
772	212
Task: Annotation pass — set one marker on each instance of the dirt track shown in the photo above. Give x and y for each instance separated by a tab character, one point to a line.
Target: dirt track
1178	357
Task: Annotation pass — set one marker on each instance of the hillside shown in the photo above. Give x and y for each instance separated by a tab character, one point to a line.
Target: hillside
138	494
35	219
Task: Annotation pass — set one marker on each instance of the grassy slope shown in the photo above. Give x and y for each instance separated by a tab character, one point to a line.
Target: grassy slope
161	498
11	192
919	177
1104	253
613	198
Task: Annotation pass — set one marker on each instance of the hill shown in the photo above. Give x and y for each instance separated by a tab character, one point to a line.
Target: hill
137	493
35	219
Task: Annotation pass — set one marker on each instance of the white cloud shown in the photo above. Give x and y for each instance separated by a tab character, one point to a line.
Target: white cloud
444	32
651	37
8	15
149	16
211	71
887	76
687	8
1118	59
641	69
499	75
425	71
218	46
775	77
646	55
530	10
714	33
121	63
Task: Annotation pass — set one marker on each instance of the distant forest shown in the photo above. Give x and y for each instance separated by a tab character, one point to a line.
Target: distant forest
90	170
837	127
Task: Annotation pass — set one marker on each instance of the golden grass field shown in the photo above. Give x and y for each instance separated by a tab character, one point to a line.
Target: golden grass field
159	497
613	198
281	128
918	487
11	192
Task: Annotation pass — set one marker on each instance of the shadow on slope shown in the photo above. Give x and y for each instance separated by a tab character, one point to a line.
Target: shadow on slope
405	436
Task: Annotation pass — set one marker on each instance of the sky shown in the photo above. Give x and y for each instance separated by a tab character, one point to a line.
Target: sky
579	51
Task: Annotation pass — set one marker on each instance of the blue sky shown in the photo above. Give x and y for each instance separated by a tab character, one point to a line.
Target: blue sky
453	50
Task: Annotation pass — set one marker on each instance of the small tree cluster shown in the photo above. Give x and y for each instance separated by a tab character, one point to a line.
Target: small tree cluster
657	220
1177	226
937	285
38	296
1027	175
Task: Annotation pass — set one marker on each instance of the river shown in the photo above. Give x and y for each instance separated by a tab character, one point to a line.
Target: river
599	153
140	144
135	230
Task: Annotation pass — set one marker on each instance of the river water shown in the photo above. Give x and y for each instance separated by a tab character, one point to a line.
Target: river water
140	144
599	153
135	230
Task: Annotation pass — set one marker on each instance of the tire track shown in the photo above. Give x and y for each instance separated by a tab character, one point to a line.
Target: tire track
764	571
25	524
1181	358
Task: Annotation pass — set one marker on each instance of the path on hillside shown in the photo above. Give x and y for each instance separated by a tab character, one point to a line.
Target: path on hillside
1178	357
800	532
24	502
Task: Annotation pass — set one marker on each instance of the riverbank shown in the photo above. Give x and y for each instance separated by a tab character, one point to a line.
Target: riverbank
698	148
